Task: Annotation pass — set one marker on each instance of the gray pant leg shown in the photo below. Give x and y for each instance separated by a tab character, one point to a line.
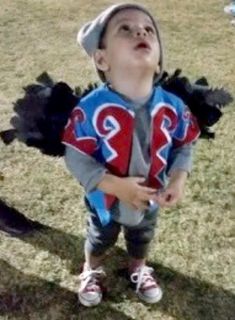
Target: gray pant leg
139	237
100	238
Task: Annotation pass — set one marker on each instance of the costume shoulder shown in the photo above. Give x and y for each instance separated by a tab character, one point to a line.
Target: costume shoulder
101	95
90	100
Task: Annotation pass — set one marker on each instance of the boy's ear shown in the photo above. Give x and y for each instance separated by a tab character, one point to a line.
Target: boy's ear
100	60
157	69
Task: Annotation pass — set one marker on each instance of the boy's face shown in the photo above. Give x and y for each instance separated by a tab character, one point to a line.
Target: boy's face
130	41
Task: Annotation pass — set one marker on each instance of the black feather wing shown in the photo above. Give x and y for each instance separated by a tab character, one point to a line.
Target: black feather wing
40	116
204	102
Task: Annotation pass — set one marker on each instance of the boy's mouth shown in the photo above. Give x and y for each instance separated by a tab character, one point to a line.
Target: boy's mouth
142	45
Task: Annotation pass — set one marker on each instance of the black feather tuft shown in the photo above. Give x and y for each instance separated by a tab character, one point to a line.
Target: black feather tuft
218	97
8	136
45	79
202	81
89	88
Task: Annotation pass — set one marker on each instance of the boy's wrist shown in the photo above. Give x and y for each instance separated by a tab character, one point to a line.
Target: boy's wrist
109	184
178	175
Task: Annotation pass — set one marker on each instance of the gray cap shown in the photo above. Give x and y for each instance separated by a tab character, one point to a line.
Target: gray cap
89	35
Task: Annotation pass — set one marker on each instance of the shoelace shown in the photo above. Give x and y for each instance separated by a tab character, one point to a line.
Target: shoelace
142	276
90	277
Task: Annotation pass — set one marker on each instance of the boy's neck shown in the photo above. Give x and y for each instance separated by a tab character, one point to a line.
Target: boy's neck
133	88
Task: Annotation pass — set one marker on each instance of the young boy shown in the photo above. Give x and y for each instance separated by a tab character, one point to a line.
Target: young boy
122	140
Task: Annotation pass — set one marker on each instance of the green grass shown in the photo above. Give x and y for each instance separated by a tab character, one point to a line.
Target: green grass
194	248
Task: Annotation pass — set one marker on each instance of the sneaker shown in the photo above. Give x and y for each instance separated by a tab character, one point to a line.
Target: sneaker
230	9
90	292
233	22
147	287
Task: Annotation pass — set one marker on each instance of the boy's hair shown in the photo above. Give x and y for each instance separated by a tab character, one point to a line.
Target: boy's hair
91	34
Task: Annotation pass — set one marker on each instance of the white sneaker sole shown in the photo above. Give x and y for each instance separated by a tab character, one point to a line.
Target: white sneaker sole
149	299
89	303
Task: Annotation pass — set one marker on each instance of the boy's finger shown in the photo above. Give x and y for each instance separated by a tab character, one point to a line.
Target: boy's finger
141	205
160	199
140	180
146	196
148	190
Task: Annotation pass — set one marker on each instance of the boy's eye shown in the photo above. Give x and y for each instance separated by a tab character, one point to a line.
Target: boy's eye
125	27
150	29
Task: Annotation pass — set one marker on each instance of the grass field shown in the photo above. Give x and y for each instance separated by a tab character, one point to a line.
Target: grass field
194	248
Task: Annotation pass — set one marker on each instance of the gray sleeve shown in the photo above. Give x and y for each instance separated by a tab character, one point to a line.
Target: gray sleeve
84	168
181	158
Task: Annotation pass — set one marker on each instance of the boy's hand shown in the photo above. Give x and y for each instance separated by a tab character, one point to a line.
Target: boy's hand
174	191
129	190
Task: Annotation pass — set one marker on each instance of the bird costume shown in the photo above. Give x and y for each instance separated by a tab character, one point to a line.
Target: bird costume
41	115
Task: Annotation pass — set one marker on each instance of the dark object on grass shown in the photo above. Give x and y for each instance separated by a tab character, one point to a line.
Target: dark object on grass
45	108
15	223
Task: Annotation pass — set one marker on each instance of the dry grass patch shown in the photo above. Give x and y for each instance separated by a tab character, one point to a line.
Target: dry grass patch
194	247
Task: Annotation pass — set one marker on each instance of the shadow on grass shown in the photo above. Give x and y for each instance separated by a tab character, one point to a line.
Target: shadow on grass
188	298
184	297
29	297
67	246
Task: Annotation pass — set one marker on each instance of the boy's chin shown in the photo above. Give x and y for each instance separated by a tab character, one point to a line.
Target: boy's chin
145	65
146	61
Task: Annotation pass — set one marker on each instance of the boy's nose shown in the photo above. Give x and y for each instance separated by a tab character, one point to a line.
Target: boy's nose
140	32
